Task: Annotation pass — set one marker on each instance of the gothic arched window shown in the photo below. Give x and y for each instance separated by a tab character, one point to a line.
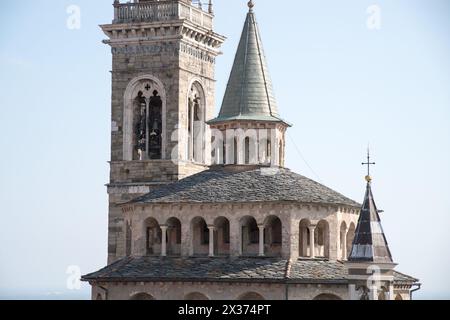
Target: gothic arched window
146	121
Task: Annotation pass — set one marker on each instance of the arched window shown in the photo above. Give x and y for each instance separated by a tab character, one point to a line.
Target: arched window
322	239
222	236
249	236
247	150
148	125
273	236
304	238
200	237
196	123
173	237
143	119
268	151
153	237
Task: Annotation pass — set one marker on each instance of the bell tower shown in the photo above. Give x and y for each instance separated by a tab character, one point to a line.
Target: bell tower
163	87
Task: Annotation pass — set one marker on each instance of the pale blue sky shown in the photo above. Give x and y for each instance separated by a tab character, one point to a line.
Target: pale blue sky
340	84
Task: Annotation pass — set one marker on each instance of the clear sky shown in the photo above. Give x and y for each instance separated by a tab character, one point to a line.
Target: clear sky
339	82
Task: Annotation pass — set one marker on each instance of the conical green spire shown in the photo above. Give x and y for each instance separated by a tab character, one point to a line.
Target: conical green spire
249	94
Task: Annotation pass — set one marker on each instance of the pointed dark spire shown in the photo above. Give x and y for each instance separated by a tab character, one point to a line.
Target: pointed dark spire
369	244
249	93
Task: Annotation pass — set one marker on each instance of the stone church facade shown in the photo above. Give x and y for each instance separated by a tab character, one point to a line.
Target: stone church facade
202	207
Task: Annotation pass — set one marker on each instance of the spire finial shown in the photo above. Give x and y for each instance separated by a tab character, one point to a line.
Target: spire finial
251	5
368	164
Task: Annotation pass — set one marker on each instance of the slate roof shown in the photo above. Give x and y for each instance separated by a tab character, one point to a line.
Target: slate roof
249	93
224	185
144	269
370	244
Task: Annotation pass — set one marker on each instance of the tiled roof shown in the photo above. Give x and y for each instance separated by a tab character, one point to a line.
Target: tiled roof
226	269
222	185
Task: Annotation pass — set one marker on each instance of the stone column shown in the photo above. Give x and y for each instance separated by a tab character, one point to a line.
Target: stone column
235	238
261	240
344	245
312	247
391	292
212	229
164	241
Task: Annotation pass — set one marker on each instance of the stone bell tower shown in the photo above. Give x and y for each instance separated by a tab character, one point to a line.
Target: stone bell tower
163	87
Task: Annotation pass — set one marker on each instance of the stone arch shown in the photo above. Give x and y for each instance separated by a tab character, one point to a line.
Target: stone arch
350	237
249	232
304	238
250	146
327	296
251	296
343	241
247	150
173	236
398	297
142	296
139	84
196	121
322	239
153	237
200	237
273	236
222	236
196	296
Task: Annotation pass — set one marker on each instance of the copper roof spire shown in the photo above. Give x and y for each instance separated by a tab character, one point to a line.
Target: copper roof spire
249	94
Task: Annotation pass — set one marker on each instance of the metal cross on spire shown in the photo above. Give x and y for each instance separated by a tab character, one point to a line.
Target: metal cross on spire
368	164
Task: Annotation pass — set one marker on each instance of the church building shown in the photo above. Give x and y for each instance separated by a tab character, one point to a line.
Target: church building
201	206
